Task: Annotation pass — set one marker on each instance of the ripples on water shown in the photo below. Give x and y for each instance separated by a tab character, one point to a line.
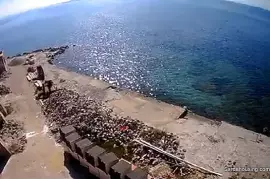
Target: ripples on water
212	56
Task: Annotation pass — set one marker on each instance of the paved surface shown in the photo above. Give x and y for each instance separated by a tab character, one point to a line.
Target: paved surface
42	158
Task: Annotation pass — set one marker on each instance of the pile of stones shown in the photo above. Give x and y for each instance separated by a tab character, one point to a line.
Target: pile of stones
96	122
12	133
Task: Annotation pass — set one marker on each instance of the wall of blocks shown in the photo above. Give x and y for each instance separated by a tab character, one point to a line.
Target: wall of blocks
100	163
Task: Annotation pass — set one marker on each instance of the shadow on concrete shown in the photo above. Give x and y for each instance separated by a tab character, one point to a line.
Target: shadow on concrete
3	162
76	171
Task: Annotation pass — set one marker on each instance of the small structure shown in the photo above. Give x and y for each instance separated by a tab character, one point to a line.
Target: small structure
106	161
137	173
72	139
119	170
82	146
40	74
92	155
3	63
65	131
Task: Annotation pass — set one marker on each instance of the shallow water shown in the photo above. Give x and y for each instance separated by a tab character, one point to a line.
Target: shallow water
212	56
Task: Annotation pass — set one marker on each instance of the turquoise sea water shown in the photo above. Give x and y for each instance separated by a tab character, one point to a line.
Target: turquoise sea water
212	56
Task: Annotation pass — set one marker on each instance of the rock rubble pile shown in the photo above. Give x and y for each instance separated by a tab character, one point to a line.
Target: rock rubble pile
96	122
12	134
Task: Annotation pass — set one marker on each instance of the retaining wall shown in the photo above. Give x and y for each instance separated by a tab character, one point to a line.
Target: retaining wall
100	163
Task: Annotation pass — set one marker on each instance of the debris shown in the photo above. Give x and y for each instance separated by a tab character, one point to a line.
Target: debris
30	134
4	90
142	142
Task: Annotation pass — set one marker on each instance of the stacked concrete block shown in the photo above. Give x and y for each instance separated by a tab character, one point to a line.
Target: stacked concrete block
92	159
119	170
99	163
137	173
81	147
71	139
65	131
105	162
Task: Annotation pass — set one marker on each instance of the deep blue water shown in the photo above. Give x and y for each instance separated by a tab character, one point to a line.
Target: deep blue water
212	56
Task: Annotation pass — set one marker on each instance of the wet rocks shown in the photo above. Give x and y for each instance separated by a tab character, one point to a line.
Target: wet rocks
54	51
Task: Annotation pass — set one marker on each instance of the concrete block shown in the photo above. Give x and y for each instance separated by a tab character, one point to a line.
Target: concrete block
119	170
65	131
106	161
71	139
92	155
137	173
93	170
74	155
83	161
82	146
103	175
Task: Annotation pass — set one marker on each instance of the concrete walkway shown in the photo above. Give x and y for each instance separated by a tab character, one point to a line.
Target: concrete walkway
42	158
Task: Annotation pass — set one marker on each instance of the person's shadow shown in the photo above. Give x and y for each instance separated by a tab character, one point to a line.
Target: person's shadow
3	162
76	170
